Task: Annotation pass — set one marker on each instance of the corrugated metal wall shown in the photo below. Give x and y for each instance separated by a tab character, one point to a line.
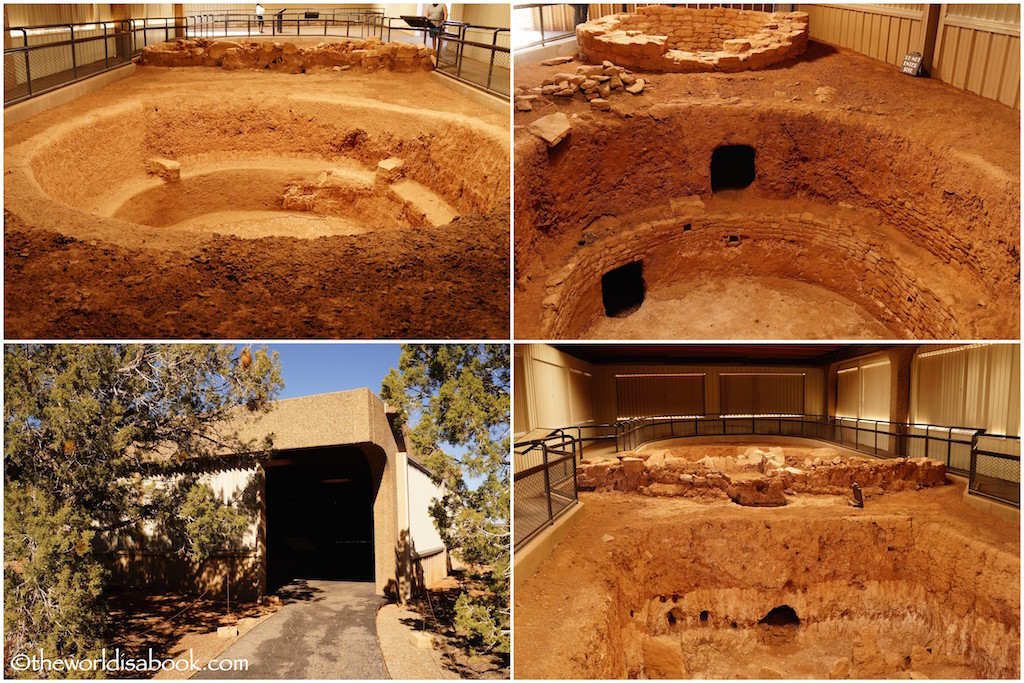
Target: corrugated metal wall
884	32
977	47
554	389
605	400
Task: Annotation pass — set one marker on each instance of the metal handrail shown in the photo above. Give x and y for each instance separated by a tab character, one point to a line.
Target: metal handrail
336	23
565	449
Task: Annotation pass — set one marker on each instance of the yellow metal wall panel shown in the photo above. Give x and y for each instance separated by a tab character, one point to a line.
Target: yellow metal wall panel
883	32
977	48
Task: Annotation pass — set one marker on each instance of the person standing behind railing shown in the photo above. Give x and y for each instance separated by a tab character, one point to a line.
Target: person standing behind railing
259	16
437	13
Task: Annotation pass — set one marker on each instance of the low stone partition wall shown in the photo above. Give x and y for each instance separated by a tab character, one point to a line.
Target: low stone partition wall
676	39
369	54
756	477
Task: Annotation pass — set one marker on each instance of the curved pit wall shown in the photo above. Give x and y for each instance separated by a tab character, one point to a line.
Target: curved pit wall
863	596
683	40
923	240
161	171
800	592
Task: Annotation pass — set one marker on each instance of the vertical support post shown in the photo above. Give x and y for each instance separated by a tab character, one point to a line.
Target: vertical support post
490	69
949	446
106	50
180	21
547	480
971	475
28	71
74	59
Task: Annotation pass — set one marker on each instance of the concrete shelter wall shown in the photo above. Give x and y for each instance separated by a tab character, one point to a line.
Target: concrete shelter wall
351	418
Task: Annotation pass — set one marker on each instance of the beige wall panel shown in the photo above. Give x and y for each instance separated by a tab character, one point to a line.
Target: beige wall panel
882	32
605	404
553	395
496	15
978	49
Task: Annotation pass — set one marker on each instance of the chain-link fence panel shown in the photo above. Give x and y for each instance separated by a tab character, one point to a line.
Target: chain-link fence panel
486	65
531	505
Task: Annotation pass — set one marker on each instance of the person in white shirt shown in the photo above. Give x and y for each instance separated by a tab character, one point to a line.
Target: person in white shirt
259	16
437	13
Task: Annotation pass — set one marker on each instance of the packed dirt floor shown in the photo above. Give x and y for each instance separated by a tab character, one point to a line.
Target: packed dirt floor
776	308
277	226
897	197
915	584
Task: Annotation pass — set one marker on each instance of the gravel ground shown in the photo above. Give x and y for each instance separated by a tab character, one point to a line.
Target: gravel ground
395	624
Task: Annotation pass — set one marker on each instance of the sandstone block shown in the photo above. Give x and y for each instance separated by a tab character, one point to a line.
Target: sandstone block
421	640
227	632
168	169
557	60
552	128
632	465
390	170
637	87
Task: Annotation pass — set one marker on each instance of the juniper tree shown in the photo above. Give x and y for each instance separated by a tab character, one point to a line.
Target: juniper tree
87	428
455	397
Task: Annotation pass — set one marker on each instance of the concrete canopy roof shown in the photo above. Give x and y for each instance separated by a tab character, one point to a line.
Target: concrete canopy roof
335	419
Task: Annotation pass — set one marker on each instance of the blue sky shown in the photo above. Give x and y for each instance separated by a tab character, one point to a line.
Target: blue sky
309	368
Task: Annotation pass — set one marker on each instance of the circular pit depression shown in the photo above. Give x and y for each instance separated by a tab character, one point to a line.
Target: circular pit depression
165	172
721	221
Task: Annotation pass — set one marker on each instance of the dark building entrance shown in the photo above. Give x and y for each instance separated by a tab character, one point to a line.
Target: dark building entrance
319	513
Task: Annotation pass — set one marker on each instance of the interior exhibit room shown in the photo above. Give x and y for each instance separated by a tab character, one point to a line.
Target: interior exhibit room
767	171
770	511
305	171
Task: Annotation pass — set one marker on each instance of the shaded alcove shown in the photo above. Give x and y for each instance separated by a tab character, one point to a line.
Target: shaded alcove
623	289
732	167
319	515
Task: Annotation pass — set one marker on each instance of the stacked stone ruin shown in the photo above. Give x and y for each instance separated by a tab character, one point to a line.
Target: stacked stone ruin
596	83
756	477
682	40
369	54
571	305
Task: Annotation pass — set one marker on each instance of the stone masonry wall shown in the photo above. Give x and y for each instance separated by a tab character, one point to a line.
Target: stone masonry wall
676	39
573	293
369	54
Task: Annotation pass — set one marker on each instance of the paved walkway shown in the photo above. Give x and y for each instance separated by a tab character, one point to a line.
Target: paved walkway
325	630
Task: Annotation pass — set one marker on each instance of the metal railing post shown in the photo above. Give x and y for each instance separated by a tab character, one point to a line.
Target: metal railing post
949	446
490	69
28	69
106	49
974	463
547	479
74	58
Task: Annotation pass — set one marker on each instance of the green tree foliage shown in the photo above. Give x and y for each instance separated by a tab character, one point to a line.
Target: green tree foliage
88	429
456	398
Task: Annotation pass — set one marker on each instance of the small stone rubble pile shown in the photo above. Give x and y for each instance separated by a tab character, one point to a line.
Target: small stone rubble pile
757	477
596	83
369	54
